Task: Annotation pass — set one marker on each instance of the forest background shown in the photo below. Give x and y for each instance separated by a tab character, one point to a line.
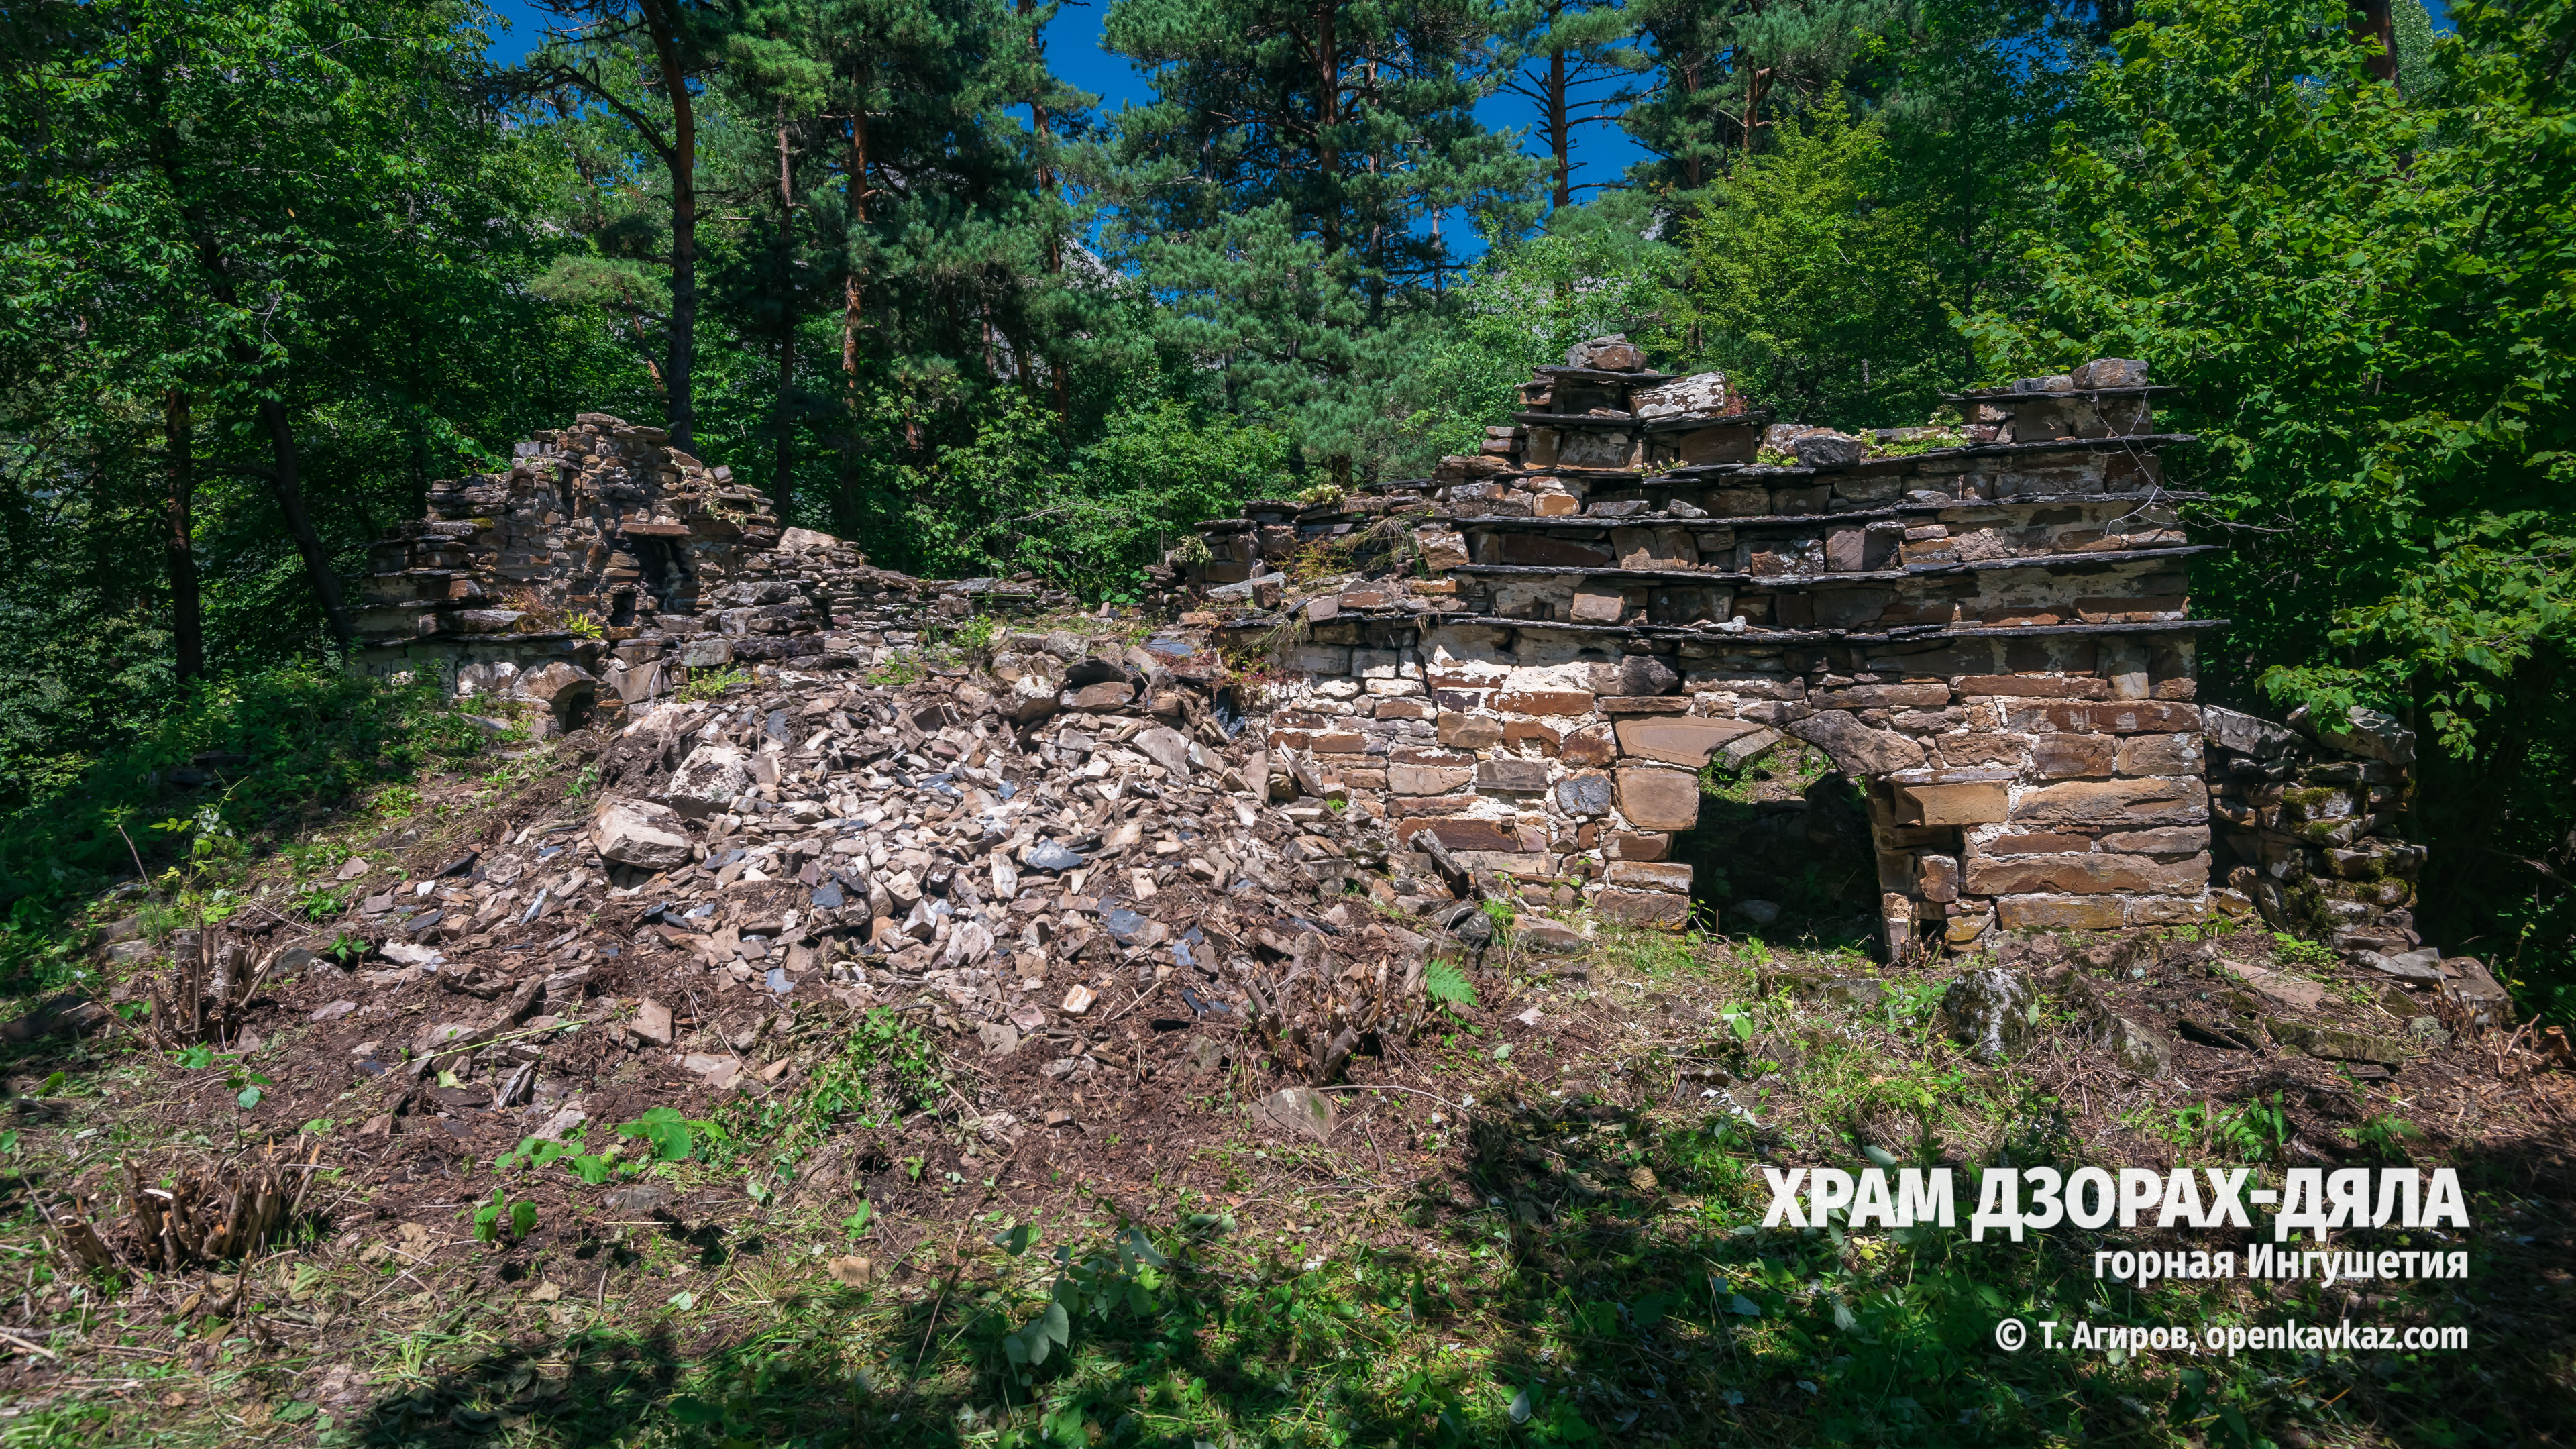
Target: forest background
270	267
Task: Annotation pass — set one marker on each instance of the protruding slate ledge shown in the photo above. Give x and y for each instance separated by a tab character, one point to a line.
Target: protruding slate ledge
1605	522
2064	562
1748	638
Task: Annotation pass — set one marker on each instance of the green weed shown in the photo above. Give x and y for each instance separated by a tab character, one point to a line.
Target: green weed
712	683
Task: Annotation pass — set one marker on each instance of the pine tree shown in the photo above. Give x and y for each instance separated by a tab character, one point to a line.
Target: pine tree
1282	194
1569	60
1729	73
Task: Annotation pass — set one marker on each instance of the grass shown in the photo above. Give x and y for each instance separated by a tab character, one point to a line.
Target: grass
1587	1268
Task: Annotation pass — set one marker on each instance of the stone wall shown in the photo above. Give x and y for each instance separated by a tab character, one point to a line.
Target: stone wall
2307	814
604	565
1985	622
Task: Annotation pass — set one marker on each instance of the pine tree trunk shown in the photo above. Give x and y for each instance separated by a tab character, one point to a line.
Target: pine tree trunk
187	635
2373	20
852	296
1328	156
782	489
677	373
1559	140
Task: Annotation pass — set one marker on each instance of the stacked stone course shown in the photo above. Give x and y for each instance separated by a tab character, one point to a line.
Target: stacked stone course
1985	623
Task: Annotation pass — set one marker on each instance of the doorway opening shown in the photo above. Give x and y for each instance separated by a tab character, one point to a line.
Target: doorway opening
1782	851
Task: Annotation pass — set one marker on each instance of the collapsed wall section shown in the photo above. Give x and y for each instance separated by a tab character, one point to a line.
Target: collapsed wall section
604	565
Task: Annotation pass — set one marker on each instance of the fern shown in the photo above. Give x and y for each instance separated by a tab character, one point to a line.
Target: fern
1445	982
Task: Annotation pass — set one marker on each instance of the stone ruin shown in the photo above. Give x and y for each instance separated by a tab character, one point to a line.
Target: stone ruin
1520	668
604	565
1523	665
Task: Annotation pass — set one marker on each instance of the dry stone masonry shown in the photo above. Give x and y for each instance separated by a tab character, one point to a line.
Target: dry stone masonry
1985	621
605	564
1515	675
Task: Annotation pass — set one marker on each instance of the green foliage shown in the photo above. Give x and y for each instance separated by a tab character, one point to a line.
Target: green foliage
712	683
1445	983
592	1168
2300	954
672	1137
1810	284
1590	275
502	1218
2364	298
885	1068
315	737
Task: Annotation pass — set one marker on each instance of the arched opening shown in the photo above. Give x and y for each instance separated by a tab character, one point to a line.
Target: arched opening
1782	851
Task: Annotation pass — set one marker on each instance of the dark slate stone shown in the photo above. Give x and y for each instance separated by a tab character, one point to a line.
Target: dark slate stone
1048	855
1584	795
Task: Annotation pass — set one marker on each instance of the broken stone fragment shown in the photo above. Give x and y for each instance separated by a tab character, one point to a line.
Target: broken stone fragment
1298	1111
652	1022
1166	747
2140	1049
1858	749
1078	1000
641	834
1049	855
2420	965
1990	1011
707	781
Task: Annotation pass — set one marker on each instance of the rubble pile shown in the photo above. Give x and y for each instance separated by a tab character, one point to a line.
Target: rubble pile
1113	882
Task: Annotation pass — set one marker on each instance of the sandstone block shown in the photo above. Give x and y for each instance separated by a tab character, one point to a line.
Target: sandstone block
2171	840
1464	731
2093	873
1462	834
1589	747
2040	843
2125	804
1649	875
2159	755
1640	845
2064	757
2118	717
1975	803
2035	686
1511	775
2052	913
1597	606
1654	799
1426	779
1856	748
1883	696
1680	740
1643	908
